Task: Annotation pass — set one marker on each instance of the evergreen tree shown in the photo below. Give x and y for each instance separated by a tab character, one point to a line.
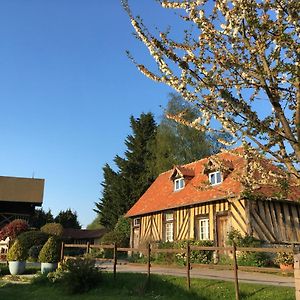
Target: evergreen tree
68	219
40	218
122	188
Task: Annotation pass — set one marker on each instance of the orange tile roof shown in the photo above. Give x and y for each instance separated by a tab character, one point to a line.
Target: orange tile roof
160	195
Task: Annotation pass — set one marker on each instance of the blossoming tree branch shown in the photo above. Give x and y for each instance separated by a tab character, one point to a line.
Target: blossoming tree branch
242	57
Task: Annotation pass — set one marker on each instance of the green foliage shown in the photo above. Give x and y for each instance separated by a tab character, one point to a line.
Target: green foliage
54	229
122	188
246	258
95	224
68	219
40	218
33	238
197	256
13	229
50	252
77	275
177	144
33	252
17	252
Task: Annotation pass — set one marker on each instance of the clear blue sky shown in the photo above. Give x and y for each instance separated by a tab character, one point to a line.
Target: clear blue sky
67	90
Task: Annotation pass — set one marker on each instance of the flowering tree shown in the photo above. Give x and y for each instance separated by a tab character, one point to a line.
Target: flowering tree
239	65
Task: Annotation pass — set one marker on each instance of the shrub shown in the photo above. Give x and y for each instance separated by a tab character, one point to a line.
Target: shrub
78	275
17	252
246	258
55	229
33	252
13	229
284	258
33	238
51	251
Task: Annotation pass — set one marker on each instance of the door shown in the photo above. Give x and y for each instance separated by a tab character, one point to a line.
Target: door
136	237
222	230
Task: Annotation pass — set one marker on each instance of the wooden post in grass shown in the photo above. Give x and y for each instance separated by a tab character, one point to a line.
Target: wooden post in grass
188	265
115	260
88	248
62	252
235	268
148	261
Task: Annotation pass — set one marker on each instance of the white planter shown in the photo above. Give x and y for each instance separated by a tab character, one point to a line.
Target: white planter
16	267
48	267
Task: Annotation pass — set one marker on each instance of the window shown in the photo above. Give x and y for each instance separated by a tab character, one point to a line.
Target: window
204	229
169	232
137	222
215	178
178	184
169	227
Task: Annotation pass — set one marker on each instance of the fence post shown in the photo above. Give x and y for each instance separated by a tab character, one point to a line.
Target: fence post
235	268
148	261
88	248
188	265
115	260
62	252
297	274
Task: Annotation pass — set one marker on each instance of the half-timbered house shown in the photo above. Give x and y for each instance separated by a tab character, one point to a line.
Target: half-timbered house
205	199
19	197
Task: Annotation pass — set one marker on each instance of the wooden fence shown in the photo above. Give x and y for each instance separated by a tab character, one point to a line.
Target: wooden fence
149	250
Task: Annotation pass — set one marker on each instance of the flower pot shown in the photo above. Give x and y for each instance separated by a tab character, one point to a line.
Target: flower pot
48	267
16	267
288	267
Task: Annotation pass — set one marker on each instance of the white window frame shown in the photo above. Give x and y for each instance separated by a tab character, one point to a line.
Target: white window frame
136	221
179	184
203	224
169	216
210	175
169	227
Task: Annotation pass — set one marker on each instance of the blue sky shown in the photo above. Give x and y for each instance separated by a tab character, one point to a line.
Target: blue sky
67	90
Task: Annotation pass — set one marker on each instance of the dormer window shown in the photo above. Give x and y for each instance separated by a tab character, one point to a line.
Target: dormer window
178	184
215	178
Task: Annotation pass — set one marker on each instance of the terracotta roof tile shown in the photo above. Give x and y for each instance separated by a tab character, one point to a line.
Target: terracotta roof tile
160	195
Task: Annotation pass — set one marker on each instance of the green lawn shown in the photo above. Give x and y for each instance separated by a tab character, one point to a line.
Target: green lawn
133	286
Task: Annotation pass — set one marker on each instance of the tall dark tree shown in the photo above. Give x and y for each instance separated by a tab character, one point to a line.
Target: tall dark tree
122	188
40	218
68	219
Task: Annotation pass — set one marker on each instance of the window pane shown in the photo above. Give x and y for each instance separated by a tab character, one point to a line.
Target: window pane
219	178
212	178
169	232
204	229
169	216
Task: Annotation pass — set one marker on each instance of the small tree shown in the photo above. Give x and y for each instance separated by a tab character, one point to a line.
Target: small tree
17	252
13	229
50	251
68	219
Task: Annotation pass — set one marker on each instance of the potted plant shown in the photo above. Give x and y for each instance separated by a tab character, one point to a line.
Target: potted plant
16	257
49	255
285	260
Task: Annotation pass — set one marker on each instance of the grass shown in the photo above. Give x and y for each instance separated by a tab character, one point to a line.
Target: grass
134	286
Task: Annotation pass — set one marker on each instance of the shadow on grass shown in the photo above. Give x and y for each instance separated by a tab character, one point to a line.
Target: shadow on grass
248	295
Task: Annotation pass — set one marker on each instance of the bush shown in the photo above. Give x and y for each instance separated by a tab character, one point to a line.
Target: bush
33	252
50	252
33	238
17	252
284	258
77	275
13	229
54	229
246	258
197	256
